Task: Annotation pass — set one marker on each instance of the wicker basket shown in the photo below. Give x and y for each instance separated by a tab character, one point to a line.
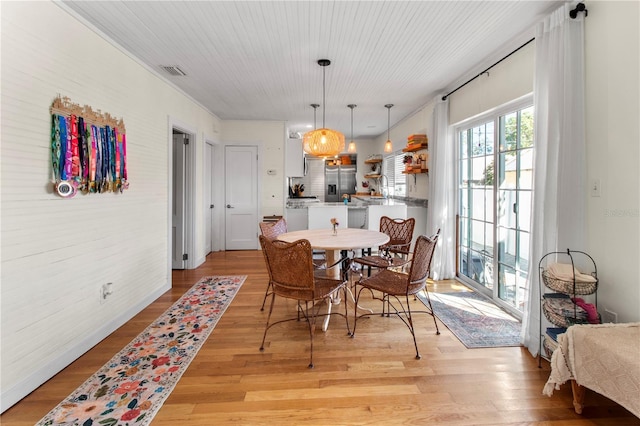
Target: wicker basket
557	317
566	287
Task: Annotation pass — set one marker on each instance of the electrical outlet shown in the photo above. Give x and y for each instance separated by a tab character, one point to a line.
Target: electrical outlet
105	291
595	188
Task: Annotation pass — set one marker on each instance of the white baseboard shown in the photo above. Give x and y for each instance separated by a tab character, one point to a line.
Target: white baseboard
23	388
199	262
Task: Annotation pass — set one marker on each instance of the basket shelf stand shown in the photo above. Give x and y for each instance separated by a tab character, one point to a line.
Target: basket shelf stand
562	289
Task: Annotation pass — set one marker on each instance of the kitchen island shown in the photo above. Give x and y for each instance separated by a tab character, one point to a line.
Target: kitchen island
363	211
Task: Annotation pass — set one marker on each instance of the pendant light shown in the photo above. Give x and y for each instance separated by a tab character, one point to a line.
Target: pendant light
388	146
323	142
352	144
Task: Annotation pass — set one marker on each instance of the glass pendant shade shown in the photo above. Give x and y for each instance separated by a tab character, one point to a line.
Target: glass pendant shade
323	142
352	144
388	146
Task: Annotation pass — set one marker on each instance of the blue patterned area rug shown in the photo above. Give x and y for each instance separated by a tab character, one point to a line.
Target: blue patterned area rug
475	320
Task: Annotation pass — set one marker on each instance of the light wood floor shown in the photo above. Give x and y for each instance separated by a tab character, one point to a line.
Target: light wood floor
372	379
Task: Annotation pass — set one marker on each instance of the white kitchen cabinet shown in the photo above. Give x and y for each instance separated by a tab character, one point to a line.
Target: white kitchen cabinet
357	217
296	219
294	158
320	216
420	215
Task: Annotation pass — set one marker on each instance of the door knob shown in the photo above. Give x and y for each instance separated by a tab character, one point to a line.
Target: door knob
211	206
229	206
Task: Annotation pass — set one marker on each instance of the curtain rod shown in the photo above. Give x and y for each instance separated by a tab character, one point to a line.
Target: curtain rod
580	7
444	98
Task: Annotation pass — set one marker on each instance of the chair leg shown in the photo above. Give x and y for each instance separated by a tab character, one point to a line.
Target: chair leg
264	336
411	328
266	293
431	309
346	309
312	328
356	298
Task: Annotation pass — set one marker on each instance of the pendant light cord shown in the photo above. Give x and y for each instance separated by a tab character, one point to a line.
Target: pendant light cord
388	121
324	63
352	123
315	125
324	92
388	106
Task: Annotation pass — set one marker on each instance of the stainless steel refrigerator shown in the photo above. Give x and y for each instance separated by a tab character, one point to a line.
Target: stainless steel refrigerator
339	180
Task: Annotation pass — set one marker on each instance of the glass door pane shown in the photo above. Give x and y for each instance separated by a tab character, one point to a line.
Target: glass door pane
476	204
515	164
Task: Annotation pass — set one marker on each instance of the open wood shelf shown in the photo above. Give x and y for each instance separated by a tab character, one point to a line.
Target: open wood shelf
373	161
371	176
415	171
410	148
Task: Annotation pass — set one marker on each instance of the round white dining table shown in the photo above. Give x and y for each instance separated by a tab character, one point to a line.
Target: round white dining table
345	239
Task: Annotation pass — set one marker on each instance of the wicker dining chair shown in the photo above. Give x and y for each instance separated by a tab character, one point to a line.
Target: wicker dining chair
271	231
396	287
292	276
394	253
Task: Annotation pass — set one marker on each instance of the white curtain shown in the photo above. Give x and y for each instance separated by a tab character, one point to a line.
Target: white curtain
442	193
559	201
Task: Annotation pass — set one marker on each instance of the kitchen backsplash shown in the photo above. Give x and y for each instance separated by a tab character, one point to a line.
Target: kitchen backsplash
314	180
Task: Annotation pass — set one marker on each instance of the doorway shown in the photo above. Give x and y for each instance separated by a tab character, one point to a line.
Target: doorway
181	198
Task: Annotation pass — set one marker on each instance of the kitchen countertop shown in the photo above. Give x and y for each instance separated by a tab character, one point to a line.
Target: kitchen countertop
360	202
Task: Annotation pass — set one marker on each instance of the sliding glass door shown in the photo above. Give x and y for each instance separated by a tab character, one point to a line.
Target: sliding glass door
495	178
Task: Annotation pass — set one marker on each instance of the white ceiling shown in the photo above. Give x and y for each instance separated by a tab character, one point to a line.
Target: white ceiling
257	60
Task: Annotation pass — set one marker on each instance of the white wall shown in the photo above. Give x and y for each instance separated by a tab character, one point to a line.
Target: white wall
56	253
612	42
509	80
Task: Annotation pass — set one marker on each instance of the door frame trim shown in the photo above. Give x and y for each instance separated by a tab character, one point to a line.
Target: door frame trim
189	232
218	175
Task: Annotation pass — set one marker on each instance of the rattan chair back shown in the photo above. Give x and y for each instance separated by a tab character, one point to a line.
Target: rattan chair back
421	263
290	267
271	230
400	232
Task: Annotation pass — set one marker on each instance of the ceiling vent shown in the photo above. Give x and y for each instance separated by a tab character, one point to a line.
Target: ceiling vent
173	70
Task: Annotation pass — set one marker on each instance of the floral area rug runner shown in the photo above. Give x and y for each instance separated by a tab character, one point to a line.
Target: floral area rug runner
475	320
133	385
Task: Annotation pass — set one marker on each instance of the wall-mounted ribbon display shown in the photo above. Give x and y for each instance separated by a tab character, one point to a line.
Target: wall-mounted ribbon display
88	150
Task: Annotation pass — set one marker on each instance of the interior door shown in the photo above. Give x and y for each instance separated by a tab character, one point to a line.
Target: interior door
178	202
209	197
241	197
